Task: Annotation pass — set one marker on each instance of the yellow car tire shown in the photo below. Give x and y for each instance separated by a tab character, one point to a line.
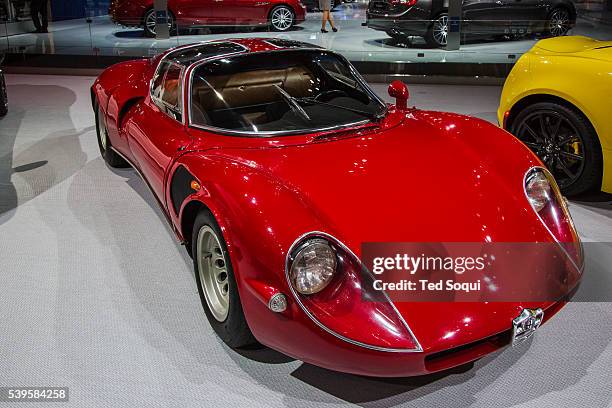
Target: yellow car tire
574	159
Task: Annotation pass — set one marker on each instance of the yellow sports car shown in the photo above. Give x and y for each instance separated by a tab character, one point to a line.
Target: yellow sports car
558	101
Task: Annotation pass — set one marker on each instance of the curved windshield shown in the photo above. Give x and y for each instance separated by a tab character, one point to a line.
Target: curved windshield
284	91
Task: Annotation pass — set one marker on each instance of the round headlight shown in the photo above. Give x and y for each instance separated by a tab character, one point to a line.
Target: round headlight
538	190
313	267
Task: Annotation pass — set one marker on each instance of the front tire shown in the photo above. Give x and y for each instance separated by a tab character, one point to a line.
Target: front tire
217	283
564	139
559	22
149	22
437	34
107	153
282	18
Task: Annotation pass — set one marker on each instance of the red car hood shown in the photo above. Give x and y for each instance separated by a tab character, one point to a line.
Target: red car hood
434	178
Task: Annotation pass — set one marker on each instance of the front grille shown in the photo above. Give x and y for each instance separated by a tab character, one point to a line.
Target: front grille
468	352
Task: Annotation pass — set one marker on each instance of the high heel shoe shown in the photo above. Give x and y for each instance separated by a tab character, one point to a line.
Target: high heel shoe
324	31
334	29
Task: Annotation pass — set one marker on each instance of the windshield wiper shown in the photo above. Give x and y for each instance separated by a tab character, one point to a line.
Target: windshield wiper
291	101
373	116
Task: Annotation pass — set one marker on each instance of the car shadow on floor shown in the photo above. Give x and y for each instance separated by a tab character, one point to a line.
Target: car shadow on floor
30	172
419	43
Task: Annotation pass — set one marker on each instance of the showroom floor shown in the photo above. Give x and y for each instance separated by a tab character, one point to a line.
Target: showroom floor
354	41
96	295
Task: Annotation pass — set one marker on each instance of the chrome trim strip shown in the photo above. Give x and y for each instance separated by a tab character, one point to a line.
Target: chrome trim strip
160	205
565	208
185	68
167	105
230	132
327	329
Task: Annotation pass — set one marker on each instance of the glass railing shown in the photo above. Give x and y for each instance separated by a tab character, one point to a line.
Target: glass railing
376	31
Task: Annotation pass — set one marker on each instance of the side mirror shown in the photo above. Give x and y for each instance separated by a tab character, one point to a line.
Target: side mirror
399	91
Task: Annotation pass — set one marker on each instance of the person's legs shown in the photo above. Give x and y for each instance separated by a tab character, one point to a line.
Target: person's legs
44	15
324	20
34	6
331	20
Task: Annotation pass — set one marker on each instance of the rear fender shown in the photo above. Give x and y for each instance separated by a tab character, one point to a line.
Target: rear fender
117	90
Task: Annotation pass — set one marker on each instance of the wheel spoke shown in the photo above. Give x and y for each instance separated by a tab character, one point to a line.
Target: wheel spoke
555	128
532	132
543	126
573	156
565	169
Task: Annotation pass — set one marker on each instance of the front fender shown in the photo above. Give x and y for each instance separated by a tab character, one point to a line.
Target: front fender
260	218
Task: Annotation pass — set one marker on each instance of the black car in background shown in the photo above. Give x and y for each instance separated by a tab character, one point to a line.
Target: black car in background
429	18
3	96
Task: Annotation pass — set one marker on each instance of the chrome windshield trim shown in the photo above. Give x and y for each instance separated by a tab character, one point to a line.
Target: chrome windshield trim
184	69
251	133
325	235
157	100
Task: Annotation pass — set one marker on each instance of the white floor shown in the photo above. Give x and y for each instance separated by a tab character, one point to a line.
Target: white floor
96	295
357	43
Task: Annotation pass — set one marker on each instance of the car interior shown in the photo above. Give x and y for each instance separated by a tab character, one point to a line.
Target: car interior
257	98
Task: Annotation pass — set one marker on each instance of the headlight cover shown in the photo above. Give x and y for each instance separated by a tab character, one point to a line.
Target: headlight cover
538	190
313	267
546	200
345	304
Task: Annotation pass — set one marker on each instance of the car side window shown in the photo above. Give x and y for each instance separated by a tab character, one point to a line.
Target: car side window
166	90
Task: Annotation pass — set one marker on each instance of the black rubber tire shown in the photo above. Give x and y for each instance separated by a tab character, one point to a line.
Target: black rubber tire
109	155
429	37
234	330
292	18
150	34
591	176
3	97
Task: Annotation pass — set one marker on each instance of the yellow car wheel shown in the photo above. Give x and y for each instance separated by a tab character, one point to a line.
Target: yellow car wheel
565	141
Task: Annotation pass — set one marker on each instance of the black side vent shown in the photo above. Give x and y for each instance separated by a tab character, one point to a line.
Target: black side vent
180	188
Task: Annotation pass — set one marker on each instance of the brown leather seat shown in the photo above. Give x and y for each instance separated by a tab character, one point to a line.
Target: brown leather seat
252	87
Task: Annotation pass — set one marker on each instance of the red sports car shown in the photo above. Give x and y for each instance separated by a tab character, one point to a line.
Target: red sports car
280	15
274	161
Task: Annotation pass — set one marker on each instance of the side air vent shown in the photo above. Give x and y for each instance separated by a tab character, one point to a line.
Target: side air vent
180	188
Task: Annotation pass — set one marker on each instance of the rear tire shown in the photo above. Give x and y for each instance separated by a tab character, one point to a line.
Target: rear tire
282	18
108	154
217	283
437	33
581	141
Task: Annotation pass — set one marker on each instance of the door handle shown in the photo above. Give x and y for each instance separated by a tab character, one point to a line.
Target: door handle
180	149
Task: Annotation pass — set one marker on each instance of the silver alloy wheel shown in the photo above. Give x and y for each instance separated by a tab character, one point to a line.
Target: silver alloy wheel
212	268
282	18
440	29
151	22
103	131
559	23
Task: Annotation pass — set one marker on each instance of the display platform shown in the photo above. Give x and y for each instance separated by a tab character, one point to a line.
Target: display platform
102	37
98	296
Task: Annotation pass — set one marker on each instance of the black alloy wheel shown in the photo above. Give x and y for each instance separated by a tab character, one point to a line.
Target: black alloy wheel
565	141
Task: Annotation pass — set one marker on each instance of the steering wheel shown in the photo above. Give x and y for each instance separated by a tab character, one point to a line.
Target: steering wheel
328	95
